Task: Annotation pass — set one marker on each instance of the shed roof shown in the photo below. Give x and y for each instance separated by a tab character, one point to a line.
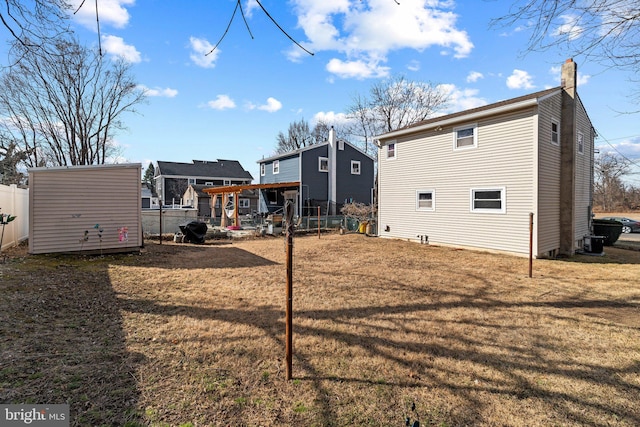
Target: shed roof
205	168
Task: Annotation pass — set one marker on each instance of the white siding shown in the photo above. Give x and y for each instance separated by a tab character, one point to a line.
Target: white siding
66	202
504	158
547	217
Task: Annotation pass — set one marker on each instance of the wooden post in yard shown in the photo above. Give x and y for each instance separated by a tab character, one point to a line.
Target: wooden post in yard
160	223
318	222
531	244
288	208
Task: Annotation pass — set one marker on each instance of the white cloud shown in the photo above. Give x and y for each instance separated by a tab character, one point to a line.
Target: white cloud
157	91
357	69
222	102
628	147
413	66
116	46
200	55
271	106
330	117
520	79
461	99
474	76
111	12
365	32
570	27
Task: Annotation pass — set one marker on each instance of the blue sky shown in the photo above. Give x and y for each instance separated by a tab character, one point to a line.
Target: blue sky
232	103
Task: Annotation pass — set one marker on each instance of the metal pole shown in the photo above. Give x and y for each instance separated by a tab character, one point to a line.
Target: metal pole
160	223
289	309
531	244
318	222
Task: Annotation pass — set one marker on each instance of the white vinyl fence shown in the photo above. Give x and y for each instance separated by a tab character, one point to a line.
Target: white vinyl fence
14	201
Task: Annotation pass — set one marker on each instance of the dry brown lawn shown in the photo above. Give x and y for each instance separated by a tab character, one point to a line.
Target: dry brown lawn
186	335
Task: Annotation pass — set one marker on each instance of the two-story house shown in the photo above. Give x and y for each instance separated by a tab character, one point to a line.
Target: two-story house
172	178
478	177
330	174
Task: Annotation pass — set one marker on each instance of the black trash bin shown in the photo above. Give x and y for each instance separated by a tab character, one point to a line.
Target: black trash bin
609	229
194	231
594	244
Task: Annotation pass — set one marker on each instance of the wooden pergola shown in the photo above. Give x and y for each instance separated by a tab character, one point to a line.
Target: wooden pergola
235	190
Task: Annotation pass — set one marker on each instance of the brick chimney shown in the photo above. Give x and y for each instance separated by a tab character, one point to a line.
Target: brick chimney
568	158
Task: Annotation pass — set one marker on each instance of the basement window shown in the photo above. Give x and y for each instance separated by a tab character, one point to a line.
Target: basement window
490	200
425	200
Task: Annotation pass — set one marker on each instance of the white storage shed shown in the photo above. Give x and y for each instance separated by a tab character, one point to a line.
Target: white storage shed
88	209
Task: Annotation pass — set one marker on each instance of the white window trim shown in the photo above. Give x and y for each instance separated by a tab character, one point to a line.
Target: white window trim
395	150
276	167
580	142
340	144
192	181
557	123
208	183
263	169
320	159
356	162
473	126
433	200
503	200
226	182
244	203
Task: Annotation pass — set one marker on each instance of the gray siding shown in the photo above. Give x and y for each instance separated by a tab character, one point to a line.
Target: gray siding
64	203
315	184
504	158
289	171
547	219
356	187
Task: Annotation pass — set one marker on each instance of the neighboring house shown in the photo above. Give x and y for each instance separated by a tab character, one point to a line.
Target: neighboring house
473	178
104	220
172	179
330	174
196	197
149	197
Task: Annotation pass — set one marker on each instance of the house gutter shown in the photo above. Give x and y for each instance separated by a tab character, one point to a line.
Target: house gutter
468	117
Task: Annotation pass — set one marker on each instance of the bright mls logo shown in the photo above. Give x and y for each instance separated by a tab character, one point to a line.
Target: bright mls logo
34	415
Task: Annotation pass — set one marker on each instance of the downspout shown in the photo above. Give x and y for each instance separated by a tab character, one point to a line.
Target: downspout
332	170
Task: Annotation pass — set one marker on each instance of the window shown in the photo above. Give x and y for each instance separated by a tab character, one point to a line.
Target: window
272	196
340	144
192	181
262	169
488	200
355	167
323	164
276	167
580	143
244	203
465	137
391	150
555	132
425	200
227	182
208	183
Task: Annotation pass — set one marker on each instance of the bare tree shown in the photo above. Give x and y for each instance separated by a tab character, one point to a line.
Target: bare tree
609	189
10	158
64	108
605	30
297	137
393	104
34	24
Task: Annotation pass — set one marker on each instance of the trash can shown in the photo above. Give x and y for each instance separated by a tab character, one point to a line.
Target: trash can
609	229
362	228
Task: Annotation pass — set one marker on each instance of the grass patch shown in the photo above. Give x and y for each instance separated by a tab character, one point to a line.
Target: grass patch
186	332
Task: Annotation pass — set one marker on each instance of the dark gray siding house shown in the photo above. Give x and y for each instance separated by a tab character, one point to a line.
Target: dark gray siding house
172	178
330	174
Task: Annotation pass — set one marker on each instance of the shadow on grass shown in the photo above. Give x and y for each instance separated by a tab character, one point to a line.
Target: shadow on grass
62	341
